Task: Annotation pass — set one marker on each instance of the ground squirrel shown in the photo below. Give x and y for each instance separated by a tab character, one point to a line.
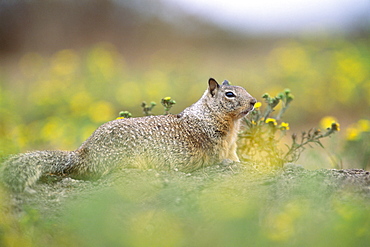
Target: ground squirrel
203	134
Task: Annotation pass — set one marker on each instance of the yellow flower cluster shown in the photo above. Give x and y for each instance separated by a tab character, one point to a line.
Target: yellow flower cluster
271	120
284	126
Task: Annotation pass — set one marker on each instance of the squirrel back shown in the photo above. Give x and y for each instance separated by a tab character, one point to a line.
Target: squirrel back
203	134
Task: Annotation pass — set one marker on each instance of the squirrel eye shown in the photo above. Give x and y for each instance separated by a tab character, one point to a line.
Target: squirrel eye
230	94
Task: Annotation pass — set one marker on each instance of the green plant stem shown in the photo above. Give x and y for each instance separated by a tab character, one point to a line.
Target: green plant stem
282	111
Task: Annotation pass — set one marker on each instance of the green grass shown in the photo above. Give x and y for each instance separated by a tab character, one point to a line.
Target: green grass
215	206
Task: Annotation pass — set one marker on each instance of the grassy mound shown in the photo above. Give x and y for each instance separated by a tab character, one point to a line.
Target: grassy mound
215	206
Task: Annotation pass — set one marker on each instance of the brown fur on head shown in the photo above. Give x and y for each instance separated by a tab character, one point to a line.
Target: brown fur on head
234	101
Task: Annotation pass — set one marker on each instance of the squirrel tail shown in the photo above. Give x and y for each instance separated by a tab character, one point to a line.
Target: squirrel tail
22	171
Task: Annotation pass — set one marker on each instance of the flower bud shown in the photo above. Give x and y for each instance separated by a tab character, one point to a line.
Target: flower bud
335	126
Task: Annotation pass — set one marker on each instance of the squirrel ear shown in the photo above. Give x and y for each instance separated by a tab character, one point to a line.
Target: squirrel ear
212	86
226	83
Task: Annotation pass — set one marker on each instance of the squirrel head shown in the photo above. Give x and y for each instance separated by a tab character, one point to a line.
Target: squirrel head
233	101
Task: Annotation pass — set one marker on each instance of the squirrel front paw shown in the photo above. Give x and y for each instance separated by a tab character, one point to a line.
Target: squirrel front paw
229	162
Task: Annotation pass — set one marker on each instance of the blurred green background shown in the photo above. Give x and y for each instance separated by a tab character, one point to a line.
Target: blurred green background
66	67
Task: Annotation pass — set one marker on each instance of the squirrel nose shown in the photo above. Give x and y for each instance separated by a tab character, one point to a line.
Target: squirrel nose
253	101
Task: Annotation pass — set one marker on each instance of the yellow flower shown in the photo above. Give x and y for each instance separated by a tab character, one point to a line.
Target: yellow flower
101	111
120	118
327	122
335	126
257	105
271	120
364	125
354	131
352	134
284	126
167	98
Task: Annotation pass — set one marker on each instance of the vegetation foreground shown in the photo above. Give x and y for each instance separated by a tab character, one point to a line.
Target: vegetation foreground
216	206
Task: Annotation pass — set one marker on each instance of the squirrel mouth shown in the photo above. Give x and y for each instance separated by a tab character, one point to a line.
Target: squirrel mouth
245	112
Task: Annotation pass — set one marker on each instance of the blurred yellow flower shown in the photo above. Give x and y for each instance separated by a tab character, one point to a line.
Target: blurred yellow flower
101	111
271	120
285	126
326	122
291	58
280	227
354	131
257	105
80	102
363	125
167	98
55	131
352	134
120	118
102	60
335	126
